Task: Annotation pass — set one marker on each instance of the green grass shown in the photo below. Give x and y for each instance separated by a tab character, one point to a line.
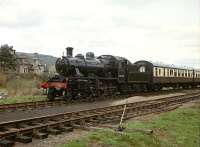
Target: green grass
20	99
180	128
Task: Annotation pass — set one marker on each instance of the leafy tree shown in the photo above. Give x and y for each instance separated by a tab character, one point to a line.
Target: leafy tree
7	58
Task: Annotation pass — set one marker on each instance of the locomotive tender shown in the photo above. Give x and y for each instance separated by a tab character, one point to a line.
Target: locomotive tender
107	75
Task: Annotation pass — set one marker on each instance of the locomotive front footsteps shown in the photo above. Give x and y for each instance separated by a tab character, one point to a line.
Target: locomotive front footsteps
107	75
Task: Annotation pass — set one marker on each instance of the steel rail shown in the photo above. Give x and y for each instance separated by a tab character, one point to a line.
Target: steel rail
99	109
42	104
29	105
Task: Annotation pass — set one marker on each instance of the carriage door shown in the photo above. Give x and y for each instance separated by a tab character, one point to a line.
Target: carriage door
122	71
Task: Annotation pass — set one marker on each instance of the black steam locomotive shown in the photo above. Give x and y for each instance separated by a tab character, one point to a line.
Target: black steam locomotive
106	75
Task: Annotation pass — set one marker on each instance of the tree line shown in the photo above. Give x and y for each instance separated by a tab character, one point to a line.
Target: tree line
8	60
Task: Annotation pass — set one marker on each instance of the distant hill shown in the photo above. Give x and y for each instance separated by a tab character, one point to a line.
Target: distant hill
45	59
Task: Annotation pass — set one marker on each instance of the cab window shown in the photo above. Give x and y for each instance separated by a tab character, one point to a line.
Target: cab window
142	69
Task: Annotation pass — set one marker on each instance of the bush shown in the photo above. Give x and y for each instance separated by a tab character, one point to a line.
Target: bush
3	80
24	85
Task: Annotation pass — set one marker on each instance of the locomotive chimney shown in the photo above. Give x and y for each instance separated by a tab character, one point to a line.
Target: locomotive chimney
69	51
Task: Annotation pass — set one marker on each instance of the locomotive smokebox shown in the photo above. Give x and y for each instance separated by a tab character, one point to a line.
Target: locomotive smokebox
69	51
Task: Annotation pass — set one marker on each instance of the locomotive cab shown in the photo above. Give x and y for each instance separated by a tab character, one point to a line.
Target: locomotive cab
139	75
140	72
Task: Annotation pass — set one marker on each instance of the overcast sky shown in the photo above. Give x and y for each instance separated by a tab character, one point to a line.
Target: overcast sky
159	30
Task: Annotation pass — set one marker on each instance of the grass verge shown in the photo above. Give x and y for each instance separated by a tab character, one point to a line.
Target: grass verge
179	128
21	99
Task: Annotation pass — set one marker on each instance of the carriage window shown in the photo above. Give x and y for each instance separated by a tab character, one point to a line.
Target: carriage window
142	69
179	73
156	71
159	71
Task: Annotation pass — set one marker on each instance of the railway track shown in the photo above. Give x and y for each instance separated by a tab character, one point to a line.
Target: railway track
42	104
40	127
30	105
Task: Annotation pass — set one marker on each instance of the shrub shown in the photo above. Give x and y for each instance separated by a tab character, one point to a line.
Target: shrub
3	80
24	85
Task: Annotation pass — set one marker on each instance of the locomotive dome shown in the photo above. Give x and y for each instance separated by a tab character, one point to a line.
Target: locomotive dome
90	55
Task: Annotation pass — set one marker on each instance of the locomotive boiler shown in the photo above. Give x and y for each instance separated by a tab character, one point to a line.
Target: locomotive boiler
80	66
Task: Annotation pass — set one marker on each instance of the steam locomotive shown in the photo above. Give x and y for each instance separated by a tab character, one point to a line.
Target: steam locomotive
106	75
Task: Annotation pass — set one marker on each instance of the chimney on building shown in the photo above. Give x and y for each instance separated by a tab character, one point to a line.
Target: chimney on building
69	51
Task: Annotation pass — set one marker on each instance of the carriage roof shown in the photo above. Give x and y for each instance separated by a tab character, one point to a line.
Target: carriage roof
160	64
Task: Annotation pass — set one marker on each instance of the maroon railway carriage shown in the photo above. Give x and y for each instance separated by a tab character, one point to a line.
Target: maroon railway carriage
196	77
157	75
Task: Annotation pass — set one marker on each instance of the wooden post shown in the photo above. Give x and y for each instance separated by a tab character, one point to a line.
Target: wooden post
120	128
